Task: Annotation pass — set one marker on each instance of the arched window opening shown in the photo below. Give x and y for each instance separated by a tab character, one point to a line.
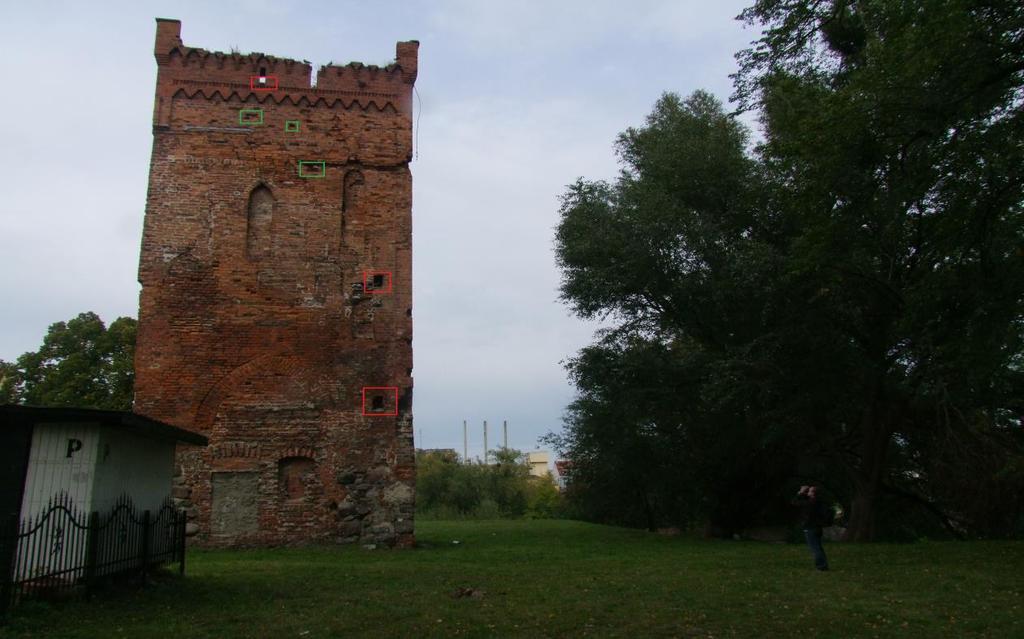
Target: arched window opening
259	222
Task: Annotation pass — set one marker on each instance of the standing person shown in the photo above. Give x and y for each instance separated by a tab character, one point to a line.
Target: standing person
815	514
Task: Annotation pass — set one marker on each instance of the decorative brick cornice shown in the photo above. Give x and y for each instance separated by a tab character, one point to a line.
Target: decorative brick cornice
361	100
236	449
308	453
212	75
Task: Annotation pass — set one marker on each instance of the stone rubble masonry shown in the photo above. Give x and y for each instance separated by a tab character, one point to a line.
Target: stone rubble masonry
255	328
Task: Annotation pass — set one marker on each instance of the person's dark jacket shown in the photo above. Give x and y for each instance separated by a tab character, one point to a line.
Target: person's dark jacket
814	513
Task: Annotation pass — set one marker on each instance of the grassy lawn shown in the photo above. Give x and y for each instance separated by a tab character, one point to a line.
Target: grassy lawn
561	578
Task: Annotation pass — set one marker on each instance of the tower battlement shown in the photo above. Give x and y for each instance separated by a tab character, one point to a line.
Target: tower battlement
192	72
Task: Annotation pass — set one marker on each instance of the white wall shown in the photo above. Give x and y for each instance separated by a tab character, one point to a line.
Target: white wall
111	462
127	463
51	471
538	463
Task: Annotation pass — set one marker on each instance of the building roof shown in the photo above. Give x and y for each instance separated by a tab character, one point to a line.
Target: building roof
137	424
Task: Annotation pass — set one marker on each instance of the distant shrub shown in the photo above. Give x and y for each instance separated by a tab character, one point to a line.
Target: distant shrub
447	488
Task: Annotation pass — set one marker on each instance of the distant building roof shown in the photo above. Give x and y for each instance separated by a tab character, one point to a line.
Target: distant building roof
135	423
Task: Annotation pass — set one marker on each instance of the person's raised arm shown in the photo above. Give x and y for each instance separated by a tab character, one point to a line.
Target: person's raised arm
801	495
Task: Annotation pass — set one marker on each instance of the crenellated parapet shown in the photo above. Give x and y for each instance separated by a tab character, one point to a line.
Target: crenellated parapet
196	73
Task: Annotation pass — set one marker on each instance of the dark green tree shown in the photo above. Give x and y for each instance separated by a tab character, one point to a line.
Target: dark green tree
894	141
8	382
845	300
670	421
81	363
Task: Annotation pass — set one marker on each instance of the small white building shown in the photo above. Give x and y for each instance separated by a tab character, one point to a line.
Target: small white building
62	464
94	457
538	461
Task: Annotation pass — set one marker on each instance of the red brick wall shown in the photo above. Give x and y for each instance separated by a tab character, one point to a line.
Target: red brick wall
254	329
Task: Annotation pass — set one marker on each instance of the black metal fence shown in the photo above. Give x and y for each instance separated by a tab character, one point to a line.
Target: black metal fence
62	550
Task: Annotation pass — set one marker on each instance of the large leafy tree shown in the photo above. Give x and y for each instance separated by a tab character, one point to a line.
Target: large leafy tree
847	299
81	363
670	423
895	144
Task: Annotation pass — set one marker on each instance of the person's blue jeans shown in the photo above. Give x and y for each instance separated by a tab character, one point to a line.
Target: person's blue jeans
813	536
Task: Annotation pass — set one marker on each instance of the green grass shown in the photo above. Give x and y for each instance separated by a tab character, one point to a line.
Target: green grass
561	578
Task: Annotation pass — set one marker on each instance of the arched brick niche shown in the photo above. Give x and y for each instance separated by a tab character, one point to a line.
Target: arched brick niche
296	478
259	223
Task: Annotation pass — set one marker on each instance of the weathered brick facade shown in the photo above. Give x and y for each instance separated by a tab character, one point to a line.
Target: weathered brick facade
271	202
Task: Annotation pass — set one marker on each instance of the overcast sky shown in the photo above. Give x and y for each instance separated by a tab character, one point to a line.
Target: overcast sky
518	99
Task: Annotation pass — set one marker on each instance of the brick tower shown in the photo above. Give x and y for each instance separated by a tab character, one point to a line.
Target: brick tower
276	307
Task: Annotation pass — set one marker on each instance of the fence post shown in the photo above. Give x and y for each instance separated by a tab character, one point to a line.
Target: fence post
8	550
145	545
182	523
92	533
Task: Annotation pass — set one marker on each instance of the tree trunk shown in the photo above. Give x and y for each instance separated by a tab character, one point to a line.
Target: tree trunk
648	511
877	430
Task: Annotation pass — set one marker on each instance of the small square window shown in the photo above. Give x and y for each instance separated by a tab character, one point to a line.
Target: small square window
250	117
292	126
312	168
377	282
263	82
380	401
